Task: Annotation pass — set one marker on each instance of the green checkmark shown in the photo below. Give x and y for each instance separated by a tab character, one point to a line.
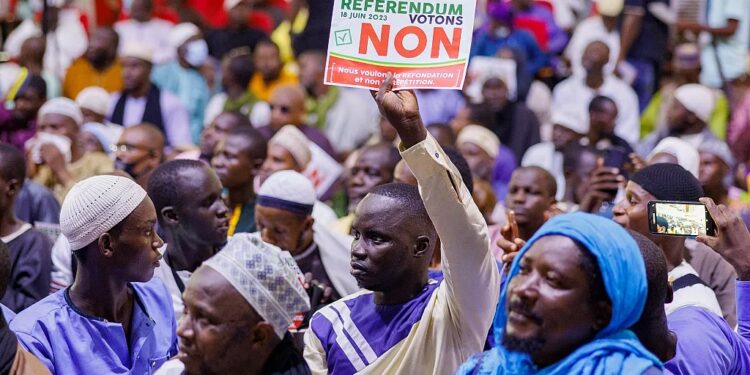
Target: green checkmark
343	37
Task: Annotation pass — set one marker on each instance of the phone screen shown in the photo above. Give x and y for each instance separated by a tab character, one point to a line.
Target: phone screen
680	219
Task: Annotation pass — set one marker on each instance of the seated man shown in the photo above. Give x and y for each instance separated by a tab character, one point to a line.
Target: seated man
251	283
288	108
289	149
139	151
99	65
217	130
192	217
237	163
29	249
270	70
531	196
283	215
115	318
572	293
665	181
143	101
480	147
404	323
14	359
374	166
57	167
18	125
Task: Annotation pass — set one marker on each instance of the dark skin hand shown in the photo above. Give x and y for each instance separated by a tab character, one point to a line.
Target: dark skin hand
732	239
604	181
402	111
721	32
510	243
327	292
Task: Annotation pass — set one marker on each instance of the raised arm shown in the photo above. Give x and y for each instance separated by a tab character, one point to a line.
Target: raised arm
471	278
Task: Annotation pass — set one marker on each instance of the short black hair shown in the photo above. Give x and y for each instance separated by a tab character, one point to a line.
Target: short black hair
257	144
242	68
12	163
548	182
164	186
599	100
409	199
267	42
656	272
463	167
5	268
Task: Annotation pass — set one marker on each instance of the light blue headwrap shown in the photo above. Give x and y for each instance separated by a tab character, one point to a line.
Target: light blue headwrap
615	349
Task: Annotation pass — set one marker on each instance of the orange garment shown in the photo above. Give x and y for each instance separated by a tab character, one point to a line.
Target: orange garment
82	74
263	91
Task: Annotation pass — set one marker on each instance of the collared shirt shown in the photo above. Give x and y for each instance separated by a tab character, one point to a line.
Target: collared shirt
68	341
447	321
189	86
573	93
176	118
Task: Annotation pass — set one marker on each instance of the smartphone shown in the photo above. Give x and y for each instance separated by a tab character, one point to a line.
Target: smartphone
687	219
617	157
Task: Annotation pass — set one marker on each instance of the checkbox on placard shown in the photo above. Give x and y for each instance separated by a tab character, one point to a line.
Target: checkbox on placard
343	37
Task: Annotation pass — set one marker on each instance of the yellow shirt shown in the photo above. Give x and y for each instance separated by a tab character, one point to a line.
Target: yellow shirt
263	91
90	164
81	74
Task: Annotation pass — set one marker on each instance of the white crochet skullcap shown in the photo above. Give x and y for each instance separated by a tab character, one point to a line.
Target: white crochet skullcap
698	99
62	106
295	141
267	277
482	137
288	190
95	205
181	33
139	51
94	99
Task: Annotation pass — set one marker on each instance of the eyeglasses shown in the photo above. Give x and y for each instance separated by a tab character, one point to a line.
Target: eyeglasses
125	147
283	108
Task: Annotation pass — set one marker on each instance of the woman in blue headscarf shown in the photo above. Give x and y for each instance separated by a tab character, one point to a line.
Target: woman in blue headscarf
565	314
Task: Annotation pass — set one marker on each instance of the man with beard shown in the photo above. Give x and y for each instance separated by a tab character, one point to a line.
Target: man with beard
99	66
193	218
374	166
572	293
238	307
139	151
142	101
270	71
116	317
401	322
237	163
284	218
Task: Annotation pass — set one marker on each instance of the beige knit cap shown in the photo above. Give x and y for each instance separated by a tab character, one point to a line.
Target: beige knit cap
95	205
293	140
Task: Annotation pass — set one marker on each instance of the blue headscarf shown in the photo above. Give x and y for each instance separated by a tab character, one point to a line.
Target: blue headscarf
615	349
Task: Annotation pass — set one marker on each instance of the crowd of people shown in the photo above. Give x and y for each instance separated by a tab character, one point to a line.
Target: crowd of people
180	193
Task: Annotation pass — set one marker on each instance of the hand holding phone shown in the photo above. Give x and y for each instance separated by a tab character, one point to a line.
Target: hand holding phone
673	218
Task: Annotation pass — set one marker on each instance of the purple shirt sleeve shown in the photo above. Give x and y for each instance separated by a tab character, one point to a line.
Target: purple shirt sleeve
706	344
742	296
